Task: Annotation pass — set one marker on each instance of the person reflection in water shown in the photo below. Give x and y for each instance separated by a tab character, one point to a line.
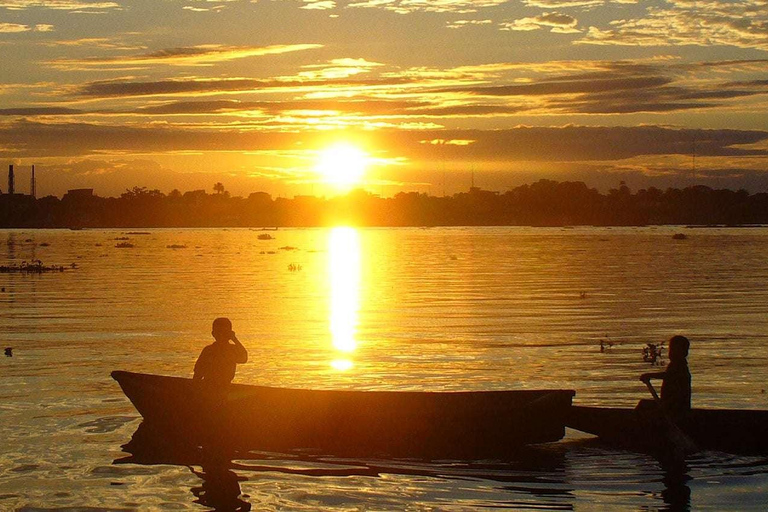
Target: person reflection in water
676	386
218	361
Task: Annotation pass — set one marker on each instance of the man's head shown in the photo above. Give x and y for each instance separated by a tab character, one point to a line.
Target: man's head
222	329
678	348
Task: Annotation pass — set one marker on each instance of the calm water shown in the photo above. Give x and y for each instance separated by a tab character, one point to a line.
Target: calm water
432	309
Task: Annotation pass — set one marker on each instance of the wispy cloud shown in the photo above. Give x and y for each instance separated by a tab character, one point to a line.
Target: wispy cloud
740	24
467	23
556	22
10	28
443	6
63	5
201	55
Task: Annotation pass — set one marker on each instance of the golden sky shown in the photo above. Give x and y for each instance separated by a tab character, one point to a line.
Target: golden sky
184	93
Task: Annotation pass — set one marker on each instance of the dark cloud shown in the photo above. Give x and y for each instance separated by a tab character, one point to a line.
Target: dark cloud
39	111
117	88
566	85
357	106
182	56
571	143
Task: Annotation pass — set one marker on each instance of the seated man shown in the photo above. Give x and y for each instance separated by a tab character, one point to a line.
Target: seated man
676	386
217	362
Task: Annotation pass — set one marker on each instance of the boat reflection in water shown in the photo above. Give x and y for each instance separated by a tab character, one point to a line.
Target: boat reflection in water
344	274
536	475
540	477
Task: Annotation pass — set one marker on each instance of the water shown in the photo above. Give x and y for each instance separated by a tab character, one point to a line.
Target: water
431	309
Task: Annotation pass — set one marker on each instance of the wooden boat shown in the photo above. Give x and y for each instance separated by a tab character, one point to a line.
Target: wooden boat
728	430
484	424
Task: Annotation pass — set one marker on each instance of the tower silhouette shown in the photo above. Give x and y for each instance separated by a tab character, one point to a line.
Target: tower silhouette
32	184
10	179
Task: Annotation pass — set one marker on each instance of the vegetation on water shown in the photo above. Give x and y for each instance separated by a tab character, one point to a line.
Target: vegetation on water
31	267
544	203
654	353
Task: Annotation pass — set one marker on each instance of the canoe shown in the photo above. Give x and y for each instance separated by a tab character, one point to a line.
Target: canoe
728	430
464	424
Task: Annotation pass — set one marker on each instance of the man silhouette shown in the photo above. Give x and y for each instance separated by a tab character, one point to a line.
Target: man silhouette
218	361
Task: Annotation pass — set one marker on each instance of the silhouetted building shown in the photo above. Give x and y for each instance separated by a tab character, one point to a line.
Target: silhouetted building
78	194
10	179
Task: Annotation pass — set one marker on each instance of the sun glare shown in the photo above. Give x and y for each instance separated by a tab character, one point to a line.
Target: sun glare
342	165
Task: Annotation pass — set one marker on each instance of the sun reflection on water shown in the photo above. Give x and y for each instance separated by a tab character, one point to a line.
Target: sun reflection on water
344	272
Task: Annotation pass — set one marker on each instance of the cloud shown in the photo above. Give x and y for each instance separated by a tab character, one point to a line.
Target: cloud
441	6
15	28
568	144
196	86
467	23
95	42
38	111
10	28
321	5
202	55
62	5
741	24
556	22
567	85
559	4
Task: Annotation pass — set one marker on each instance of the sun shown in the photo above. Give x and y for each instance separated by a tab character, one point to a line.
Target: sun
342	165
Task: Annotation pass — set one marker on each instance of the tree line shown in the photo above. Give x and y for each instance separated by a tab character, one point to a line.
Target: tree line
543	203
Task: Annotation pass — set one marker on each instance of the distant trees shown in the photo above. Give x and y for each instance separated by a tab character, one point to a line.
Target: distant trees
543	203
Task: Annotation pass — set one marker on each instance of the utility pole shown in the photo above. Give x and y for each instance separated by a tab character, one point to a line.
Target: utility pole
32	184
693	160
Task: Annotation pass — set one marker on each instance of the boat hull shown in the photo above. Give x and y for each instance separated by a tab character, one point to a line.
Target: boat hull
728	430
412	424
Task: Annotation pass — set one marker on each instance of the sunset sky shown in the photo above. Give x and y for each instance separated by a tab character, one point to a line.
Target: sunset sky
184	93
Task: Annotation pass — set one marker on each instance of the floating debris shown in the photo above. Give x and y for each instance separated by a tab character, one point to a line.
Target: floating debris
175	246
583	295
33	267
8	351
653	353
122	238
44	244
288	248
98	245
679	236
265	236
606	345
29	240
271	252
294	267
124	245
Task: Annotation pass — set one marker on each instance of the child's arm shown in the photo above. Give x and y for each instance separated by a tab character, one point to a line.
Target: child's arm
240	352
646	377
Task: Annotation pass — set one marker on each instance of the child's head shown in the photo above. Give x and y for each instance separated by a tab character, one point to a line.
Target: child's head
222	329
678	348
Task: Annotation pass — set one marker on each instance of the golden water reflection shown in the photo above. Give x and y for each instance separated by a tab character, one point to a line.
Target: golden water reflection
344	272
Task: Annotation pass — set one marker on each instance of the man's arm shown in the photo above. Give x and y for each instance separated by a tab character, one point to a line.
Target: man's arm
241	355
